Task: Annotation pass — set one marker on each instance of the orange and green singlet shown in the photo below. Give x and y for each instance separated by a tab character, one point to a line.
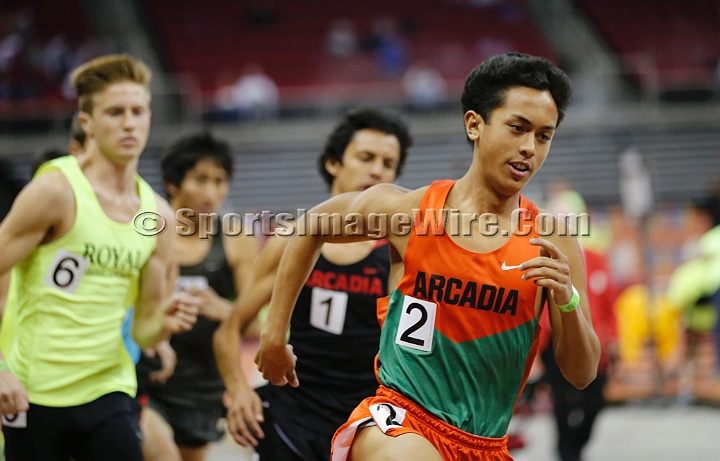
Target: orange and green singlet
460	330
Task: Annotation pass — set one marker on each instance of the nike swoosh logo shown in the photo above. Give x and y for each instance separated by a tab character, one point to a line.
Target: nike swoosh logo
505	267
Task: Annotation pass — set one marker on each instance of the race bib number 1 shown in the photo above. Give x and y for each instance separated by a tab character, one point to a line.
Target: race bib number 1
66	271
328	309
417	324
185	282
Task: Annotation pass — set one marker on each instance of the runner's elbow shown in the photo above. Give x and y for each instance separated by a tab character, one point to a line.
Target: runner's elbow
580	377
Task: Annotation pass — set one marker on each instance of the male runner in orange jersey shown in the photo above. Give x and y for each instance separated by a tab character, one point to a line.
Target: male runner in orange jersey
460	330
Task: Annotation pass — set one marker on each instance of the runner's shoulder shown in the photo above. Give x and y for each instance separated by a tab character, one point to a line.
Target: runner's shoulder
164	208
51	184
397	198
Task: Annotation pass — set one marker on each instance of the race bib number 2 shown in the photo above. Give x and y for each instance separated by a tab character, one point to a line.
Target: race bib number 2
66	271
417	324
387	416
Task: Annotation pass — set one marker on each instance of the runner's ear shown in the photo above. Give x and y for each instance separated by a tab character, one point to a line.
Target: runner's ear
333	166
170	188
473	125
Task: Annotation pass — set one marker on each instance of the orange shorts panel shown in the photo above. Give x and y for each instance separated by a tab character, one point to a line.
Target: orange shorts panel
395	415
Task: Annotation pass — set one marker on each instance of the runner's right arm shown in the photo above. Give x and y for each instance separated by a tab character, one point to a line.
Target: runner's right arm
4	287
275	358
246	409
31	220
156	315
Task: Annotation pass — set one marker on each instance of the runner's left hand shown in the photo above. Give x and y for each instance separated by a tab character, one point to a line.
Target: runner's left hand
549	270
181	313
168	360
244	416
276	362
212	305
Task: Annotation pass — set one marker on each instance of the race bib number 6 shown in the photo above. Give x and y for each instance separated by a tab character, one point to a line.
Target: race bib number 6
417	324
66	271
18	421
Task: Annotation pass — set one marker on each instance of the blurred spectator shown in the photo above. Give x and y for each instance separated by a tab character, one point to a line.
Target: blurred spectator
10	48
224	106
58	58
649	340
225	83
9	187
88	49
409	26
424	87
710	244
34	52
512	11
694	282
490	46
480	3
562	198
25	23
342	39
389	47
711	203
392	51
262	12
31	67
635	185
575	410
255	94
10	69
691	290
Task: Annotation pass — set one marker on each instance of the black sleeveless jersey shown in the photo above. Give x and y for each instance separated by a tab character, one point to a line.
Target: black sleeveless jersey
335	334
196	382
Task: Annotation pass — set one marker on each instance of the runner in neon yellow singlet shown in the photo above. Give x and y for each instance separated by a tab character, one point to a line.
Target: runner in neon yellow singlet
79	261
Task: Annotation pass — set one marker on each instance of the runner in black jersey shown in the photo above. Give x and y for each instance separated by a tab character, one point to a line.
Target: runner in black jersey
338	301
334	324
184	403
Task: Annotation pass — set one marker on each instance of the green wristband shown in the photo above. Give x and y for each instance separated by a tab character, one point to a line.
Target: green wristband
3	366
574	302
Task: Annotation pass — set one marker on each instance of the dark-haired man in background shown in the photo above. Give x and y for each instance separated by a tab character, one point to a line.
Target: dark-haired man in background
334	325
184	402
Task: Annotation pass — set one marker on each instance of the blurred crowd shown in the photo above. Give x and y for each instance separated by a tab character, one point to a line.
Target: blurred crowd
32	66
388	50
656	316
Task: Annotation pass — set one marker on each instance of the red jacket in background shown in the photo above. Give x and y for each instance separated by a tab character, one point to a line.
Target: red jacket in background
601	293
